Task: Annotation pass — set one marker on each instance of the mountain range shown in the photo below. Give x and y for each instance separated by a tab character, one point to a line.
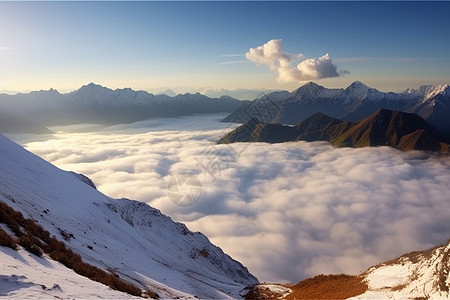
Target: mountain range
96	104
357	101
35	111
404	131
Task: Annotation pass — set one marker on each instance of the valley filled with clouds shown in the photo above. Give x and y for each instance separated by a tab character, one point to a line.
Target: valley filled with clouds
286	211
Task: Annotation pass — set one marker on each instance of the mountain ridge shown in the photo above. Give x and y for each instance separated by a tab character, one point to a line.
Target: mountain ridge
357	101
404	131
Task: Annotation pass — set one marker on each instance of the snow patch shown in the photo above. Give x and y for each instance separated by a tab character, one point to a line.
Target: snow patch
278	289
24	275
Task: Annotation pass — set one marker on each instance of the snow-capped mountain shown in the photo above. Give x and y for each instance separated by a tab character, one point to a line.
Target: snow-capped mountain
96	104
355	92
434	105
129	238
429	91
357	101
96	95
312	93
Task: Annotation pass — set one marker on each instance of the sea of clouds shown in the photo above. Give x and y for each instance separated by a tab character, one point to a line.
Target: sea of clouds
286	211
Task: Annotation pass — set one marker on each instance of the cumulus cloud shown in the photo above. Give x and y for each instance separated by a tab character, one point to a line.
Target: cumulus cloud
287	211
271	55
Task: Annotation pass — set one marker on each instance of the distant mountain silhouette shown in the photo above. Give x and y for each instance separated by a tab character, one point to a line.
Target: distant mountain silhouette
357	101
96	104
10	123
404	131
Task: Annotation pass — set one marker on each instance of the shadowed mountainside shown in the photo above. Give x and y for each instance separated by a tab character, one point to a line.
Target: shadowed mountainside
10	123
404	131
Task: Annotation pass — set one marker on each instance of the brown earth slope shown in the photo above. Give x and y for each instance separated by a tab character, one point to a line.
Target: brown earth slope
404	131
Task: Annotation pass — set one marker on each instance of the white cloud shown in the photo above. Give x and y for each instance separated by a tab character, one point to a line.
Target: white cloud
271	55
286	211
233	62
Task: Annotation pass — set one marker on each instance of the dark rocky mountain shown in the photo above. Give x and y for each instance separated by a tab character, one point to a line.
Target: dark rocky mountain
357	101
404	131
96	104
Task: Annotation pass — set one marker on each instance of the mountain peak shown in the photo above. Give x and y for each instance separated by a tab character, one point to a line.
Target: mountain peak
91	85
358	84
92	91
356	90
308	91
310	86
51	91
358	87
433	90
430	90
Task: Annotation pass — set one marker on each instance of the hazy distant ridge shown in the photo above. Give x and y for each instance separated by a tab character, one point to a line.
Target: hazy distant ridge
96	104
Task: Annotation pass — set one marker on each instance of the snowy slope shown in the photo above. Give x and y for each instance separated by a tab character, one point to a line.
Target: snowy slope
24	275
429	91
312	93
134	240
417	275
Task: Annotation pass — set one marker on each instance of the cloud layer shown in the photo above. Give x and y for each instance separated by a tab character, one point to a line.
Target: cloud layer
271	55
286	211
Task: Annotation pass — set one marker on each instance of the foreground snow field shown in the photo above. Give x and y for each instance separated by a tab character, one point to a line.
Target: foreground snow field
24	275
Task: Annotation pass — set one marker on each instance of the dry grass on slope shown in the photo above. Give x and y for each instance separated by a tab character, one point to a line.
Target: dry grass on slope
35	239
328	287
320	287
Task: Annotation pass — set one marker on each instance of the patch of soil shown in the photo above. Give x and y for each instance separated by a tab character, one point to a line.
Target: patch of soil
328	287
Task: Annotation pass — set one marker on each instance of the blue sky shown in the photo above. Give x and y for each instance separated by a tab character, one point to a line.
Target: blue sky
194	45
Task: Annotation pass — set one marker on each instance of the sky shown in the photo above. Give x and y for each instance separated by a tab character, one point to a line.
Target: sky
222	45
